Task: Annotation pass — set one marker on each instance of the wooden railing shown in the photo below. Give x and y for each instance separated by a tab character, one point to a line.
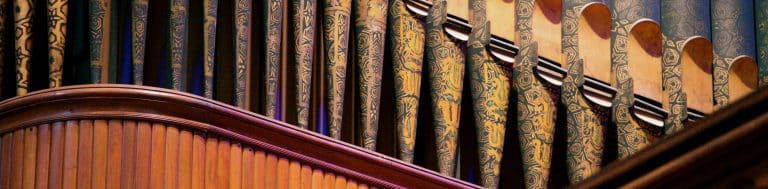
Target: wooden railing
139	137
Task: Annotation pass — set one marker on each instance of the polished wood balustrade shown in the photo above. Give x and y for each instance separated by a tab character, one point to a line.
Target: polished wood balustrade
139	137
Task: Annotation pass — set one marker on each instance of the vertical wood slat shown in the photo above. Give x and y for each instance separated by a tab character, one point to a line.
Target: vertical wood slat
30	157
305	177
317	178
129	154
171	179
140	13
43	156
294	174
57	155
185	158
211	8
23	13
259	160
114	153
17	161
282	174
178	29
340	182
71	137
5	160
57	32
157	156
211	145
85	154
242	53
198	161
98	27
248	168
222	164
329	179
304	30
235	165
143	153
271	171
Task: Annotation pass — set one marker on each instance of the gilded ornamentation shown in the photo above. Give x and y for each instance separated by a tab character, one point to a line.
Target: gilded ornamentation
445	62
99	39
336	36
535	105
273	48
490	96
370	29
407	36
24	12
57	32
139	36
585	125
211	8
304	31
242	52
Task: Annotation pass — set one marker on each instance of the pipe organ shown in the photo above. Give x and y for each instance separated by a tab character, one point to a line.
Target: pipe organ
499	93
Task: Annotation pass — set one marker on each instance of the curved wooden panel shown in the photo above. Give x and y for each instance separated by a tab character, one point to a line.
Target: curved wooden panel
696	69
546	22
137	137
595	40
644	58
742	77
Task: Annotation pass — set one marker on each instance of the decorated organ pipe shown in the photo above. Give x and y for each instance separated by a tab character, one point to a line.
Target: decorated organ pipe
526	93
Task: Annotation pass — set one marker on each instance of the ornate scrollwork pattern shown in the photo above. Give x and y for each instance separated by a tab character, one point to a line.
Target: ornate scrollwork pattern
139	36
57	32
407	35
625	13
273	48
336	36
633	135
242	52
672	83
211	8
370	30
720	87
445	62
304	31
178	43
490	96
24	13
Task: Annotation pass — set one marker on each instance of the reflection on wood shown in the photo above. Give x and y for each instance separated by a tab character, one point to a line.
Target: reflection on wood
406	33
336	18
445	62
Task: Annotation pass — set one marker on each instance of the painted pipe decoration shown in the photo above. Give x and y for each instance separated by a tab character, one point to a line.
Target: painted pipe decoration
57	32
242	53
733	35
586	130
304	31
406	33
680	19
445	62
337	16
273	47
536	108
370	30
569	31
211	9
178	43
139	13
490	97
761	22
23	15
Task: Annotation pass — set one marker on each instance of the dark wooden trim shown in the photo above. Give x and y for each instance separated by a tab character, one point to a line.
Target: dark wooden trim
109	101
724	140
